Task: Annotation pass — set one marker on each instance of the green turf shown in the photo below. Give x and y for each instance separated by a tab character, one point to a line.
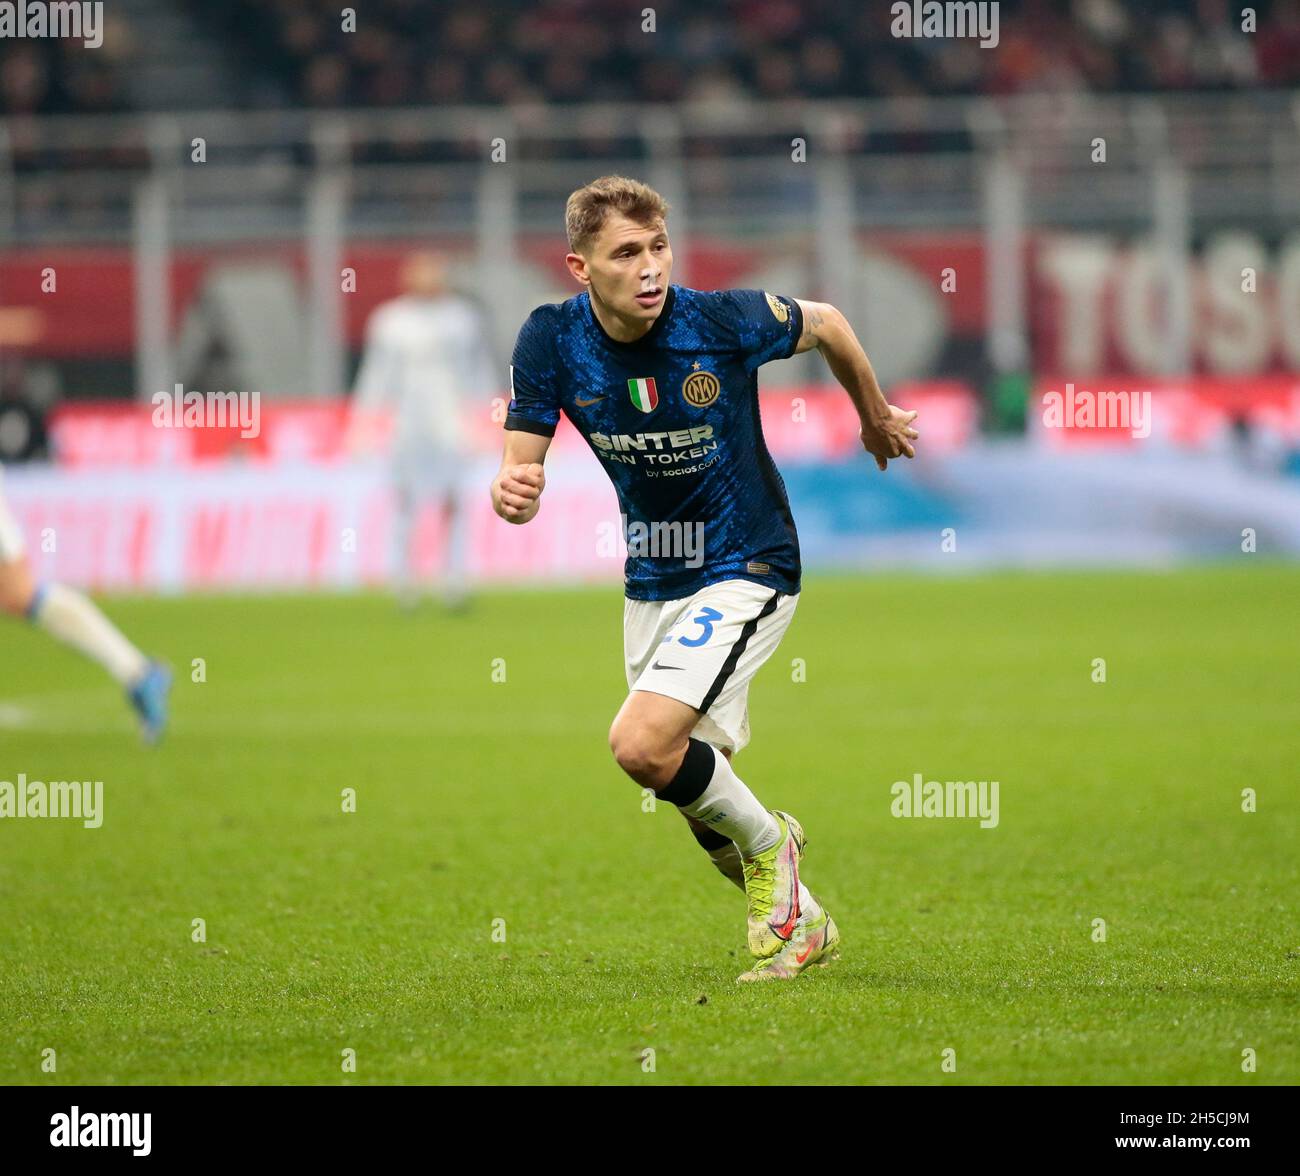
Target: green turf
480	800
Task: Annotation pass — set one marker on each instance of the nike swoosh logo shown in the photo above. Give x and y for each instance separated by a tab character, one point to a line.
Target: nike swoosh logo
800	959
657	666
586	403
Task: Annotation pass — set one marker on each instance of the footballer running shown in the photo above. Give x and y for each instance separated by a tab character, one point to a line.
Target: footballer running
72	618
662	382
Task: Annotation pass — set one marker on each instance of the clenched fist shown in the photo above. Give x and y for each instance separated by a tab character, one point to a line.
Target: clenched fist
517	492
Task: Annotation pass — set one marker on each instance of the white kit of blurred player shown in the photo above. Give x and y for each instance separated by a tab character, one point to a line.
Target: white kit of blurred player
72	618
427	356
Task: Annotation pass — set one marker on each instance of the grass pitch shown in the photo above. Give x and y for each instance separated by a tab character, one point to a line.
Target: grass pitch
479	800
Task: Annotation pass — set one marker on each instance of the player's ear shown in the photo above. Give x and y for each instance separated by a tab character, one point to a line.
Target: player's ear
577	266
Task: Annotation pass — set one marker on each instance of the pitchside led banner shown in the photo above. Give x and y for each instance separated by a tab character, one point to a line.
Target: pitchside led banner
135	507
1194	414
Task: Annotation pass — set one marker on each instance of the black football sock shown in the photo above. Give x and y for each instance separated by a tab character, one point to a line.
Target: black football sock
723	854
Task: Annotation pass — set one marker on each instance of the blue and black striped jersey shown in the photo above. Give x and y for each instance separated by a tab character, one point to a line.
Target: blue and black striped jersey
673	417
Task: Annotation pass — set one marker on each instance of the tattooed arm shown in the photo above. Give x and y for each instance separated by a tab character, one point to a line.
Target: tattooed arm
886	430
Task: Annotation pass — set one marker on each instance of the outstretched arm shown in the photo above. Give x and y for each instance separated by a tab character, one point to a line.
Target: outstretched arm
517	488
886	430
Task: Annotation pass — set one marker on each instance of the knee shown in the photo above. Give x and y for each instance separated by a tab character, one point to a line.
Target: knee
639	753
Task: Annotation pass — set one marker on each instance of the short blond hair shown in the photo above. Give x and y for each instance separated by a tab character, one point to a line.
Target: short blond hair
588	208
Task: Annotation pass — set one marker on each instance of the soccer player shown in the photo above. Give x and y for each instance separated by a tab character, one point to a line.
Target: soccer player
426	351
72	618
662	382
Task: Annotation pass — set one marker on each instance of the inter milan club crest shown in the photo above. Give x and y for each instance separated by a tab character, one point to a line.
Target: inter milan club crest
700	389
644	394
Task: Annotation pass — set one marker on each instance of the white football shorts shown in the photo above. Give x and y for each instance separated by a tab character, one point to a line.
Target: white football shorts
11	538
704	649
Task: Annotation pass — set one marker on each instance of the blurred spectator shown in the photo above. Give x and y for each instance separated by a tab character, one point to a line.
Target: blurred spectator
26	392
1279	46
56	76
574	50
406	52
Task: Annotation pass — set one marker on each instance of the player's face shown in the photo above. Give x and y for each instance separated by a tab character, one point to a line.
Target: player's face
629	268
424	275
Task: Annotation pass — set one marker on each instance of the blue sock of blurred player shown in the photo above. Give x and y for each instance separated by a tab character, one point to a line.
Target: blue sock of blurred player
72	618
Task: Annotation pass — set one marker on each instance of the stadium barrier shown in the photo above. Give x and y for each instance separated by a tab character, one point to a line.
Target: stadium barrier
134	507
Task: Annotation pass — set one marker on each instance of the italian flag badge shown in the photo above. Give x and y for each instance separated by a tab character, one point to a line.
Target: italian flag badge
644	394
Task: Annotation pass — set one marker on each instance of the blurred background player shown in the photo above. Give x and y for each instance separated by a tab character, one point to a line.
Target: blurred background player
426	356
73	618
